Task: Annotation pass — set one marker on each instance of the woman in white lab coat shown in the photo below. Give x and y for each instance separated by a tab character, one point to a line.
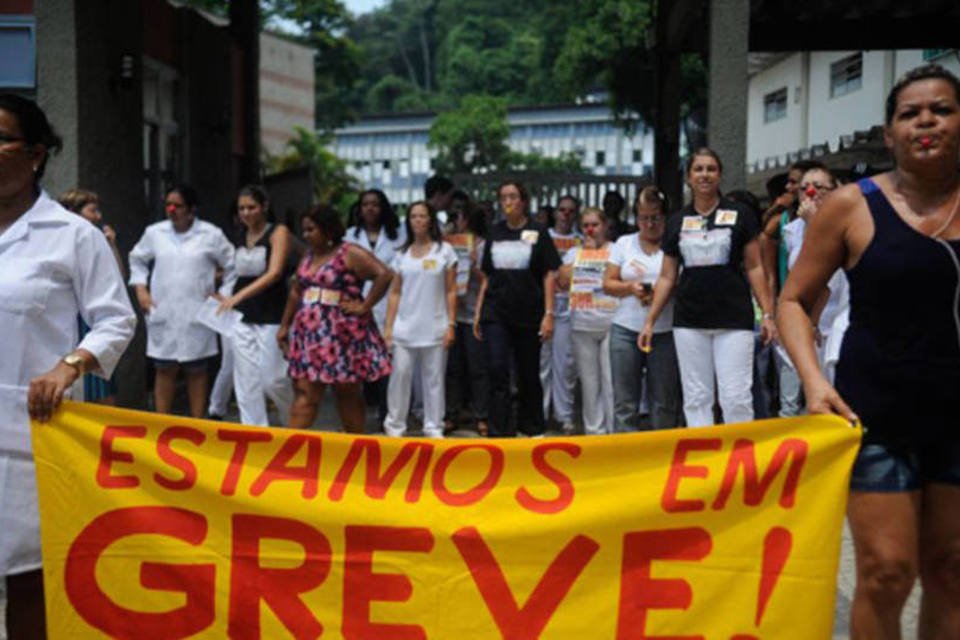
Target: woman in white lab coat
185	253
54	266
374	225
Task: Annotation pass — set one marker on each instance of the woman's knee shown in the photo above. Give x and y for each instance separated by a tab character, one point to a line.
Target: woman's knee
306	394
940	569
887	578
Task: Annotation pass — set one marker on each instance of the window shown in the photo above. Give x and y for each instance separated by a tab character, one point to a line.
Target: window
386	164
775	105
846	75
638	155
17	52
933	54
601	158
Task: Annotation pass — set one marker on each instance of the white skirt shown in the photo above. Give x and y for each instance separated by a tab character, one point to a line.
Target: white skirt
19	514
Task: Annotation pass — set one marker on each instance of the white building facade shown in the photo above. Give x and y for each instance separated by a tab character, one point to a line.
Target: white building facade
287	98
802	100
390	152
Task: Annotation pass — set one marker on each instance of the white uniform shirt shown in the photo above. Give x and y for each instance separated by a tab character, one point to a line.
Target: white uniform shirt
54	265
635	264
386	250
184	270
422	313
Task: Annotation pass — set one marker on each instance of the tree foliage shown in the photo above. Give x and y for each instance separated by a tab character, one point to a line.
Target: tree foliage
322	25
532	52
473	138
331	182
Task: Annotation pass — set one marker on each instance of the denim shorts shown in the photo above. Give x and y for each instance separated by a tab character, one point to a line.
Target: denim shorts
889	468
190	366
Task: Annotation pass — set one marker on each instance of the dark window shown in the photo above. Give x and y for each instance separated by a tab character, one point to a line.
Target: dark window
846	75
601	158
933	54
638	155
775	105
386	164
18	53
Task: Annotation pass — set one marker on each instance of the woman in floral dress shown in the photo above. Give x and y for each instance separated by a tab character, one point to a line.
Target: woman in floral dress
327	331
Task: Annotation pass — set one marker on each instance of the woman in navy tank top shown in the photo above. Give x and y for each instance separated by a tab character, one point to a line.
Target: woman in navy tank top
897	235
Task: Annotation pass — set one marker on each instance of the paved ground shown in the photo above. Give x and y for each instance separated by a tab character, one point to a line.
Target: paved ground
845	579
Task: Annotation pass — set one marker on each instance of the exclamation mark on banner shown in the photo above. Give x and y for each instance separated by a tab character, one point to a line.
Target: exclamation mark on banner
776	550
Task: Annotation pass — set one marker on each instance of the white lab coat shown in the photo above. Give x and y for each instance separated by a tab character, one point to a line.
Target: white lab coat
184	271
54	265
385	250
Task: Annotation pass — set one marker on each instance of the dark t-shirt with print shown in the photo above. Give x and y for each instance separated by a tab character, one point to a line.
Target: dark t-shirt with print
516	261
713	292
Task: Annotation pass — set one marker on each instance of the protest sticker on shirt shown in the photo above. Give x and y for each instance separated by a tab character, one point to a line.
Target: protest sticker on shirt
311	295
726	217
463	244
530	236
565	244
162	526
693	223
429	264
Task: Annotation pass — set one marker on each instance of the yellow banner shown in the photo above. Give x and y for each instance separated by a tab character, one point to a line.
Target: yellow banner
155	526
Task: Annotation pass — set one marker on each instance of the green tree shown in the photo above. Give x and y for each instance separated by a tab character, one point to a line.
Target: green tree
473	138
607	49
331	182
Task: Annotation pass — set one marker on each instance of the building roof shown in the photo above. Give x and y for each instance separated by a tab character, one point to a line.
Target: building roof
516	116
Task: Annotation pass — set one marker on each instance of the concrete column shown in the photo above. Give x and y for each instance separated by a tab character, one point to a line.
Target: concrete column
57	87
666	129
727	101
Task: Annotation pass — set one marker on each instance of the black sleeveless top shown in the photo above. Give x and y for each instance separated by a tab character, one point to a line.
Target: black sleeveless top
899	366
267	306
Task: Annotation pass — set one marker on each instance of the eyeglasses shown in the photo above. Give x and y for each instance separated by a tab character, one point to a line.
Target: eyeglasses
649	219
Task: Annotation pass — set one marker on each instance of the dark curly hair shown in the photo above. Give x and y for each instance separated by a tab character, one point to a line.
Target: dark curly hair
328	219
34	127
926	72
388	215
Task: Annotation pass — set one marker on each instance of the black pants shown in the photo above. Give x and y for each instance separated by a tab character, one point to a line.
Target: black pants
467	375
506	344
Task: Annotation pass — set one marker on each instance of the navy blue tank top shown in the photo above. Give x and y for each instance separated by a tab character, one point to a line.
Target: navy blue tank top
899	366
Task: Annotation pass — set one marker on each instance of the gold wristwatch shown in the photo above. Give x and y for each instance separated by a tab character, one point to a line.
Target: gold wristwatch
76	361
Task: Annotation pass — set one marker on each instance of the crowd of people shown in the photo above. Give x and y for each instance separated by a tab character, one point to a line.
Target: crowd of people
500	318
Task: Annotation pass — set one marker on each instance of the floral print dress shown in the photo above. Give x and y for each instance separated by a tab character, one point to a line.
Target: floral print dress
326	344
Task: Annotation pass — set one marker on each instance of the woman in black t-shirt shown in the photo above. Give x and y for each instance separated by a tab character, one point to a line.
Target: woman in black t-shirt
259	368
515	310
715	241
